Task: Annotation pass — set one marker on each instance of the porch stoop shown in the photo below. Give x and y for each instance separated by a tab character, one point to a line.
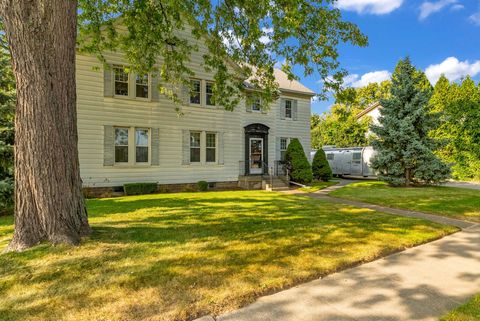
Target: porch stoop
265	182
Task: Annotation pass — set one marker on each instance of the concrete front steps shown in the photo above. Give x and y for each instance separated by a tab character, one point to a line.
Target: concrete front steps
265	182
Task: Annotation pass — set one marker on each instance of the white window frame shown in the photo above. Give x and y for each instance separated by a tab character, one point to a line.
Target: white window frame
114	68
148	145
207	83
214	148
291	108
199	92
149	91
287	140
199	147
256	102
115	145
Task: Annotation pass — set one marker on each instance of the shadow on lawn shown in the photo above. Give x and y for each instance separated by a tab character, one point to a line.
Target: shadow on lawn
172	254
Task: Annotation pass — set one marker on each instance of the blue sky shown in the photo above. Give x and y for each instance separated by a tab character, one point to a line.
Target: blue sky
440	36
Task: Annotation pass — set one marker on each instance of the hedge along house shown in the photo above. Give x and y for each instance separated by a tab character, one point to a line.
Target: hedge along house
129	132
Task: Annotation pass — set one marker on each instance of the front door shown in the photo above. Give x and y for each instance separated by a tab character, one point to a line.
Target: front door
256	155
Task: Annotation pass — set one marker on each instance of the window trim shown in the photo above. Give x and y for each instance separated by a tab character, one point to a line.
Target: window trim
115	145
149	93
208	82
199	92
215	148
199	147
291	109
148	146
287	141
253	103
115	81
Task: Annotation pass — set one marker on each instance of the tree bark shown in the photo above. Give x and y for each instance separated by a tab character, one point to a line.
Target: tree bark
49	204
408	177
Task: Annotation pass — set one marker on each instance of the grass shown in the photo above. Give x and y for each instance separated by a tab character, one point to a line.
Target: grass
178	256
317	185
460	203
470	311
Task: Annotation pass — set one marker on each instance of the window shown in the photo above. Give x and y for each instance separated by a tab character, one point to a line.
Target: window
195	91
357	156
283	148
194	147
141	86
121	145
141	145
121	81
211	147
256	104
209	94
288	109
330	156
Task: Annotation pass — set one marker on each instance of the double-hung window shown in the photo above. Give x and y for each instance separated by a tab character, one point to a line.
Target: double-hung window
195	147
195	91
288	109
121	81
121	145
141	145
141	86
256	106
211	147
209	94
283	148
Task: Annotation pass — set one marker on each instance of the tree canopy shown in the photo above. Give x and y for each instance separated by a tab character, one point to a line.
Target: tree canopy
246	33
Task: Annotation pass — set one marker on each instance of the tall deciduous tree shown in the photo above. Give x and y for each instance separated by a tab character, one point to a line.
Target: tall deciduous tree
42	35
405	150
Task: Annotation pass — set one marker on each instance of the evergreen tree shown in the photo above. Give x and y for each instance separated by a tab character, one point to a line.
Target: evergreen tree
320	168
405	150
297	163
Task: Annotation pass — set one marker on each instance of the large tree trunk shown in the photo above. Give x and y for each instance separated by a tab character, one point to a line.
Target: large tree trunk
48	200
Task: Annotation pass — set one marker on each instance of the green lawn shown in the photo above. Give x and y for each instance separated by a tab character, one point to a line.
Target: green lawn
177	256
317	185
470	311
453	202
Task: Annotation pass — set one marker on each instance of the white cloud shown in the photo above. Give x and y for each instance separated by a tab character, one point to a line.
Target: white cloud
453	69
457	7
354	80
475	18
266	38
427	8
378	7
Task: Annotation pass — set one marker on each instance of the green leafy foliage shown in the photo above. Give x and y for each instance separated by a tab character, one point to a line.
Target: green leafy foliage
7	111
139	188
340	125
459	105
320	168
246	33
202	186
297	163
405	150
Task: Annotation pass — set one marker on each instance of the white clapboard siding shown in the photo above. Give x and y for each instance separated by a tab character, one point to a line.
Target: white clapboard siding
96	111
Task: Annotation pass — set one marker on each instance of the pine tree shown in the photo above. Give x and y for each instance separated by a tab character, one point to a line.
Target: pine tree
405	150
320	167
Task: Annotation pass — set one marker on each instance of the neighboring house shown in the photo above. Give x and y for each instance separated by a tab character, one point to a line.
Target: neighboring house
128	132
372	111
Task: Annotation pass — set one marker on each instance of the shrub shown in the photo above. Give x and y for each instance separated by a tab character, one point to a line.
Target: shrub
320	168
297	163
6	196
139	188
202	186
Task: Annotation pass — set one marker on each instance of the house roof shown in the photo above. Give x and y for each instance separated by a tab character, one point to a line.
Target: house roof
290	85
368	109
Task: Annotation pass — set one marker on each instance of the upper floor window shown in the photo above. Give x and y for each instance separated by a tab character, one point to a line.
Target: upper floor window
209	94
195	91
121	145
195	147
211	147
141	86
121	81
141	145
256	104
288	109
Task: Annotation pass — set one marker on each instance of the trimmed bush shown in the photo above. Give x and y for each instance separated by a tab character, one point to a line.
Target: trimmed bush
297	163
6	196
139	188
320	168
202	186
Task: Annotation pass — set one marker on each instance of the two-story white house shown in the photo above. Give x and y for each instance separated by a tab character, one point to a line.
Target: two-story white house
129	132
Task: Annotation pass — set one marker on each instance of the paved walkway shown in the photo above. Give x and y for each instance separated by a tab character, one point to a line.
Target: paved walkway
421	283
463	185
